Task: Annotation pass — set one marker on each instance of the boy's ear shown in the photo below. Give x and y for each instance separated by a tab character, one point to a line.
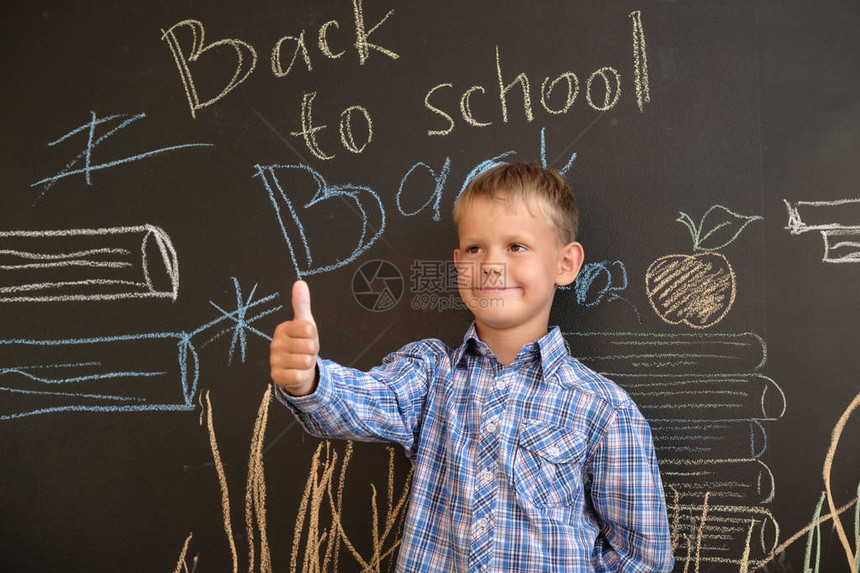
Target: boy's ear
456	256
571	258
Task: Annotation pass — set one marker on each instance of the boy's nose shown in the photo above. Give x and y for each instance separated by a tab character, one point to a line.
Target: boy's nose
492	273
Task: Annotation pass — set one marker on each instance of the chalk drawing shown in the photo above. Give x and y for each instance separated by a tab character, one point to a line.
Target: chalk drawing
440	177
322	545
838	429
181	563
837	221
277	68
255	492
640	62
362	34
523	80
813	529
222	482
435	198
84	160
717	229
707	402
347	137
585	289
241	320
88	264
543	162
155	371
611	88
547	86
244	67
698	290
288	215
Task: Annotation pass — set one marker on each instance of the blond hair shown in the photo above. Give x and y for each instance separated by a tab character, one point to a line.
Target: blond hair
544	187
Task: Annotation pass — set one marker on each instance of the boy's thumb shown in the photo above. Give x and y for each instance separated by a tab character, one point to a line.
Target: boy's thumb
302	302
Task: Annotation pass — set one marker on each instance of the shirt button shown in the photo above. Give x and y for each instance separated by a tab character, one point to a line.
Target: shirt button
492	426
554	451
501	384
486	477
482	523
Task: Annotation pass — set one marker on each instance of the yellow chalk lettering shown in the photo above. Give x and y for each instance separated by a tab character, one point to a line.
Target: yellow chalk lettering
198	48
323	40
346	135
362	34
277	69
521	79
608	85
466	107
572	92
429	106
309	131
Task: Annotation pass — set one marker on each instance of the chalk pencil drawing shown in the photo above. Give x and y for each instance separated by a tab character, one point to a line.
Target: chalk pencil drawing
293	225
707	401
698	290
837	221
151	371
88	264
83	162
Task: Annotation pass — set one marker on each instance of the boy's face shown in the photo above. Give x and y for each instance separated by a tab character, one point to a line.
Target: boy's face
510	261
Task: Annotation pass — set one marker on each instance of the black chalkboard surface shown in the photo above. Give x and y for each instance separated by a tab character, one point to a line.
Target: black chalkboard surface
170	168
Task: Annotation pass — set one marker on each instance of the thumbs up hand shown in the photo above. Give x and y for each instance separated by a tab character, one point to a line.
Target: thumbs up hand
295	345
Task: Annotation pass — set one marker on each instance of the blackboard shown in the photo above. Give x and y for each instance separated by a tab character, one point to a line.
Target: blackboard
170	168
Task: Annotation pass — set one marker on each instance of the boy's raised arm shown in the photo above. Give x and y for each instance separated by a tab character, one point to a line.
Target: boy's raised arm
295	346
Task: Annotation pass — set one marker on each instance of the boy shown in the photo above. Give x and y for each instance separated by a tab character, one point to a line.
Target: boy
525	460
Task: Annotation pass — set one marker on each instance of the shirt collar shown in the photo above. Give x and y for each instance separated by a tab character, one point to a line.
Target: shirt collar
551	347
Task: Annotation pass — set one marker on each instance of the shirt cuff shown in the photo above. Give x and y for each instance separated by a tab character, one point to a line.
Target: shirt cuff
321	397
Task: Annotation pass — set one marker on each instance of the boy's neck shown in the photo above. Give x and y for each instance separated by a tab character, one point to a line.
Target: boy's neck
507	343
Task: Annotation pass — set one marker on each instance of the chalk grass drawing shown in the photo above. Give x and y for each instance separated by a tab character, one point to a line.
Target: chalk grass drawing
837	221
321	545
154	371
319	534
198	47
813	530
88	264
292	225
699	289
707	401
83	162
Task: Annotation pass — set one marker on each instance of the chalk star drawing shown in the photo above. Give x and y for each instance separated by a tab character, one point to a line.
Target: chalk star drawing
242	324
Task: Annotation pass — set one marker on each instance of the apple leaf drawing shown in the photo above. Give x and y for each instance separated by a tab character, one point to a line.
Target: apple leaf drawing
718	227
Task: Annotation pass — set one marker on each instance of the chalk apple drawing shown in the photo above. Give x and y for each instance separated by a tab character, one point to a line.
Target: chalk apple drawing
699	289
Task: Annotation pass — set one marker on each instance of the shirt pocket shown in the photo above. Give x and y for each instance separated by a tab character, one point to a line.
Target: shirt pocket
548	464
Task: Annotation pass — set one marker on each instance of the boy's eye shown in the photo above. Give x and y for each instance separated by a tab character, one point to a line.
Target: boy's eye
516	247
473	249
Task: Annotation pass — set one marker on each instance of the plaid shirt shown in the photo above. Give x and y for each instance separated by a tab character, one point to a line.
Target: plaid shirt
542	465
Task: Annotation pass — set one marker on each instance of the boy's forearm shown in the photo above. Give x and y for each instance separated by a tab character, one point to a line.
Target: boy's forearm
350	404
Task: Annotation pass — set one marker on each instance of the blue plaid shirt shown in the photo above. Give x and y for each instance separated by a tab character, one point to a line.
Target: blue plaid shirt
541	465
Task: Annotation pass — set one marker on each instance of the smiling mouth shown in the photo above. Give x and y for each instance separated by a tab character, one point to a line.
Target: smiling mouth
496	290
